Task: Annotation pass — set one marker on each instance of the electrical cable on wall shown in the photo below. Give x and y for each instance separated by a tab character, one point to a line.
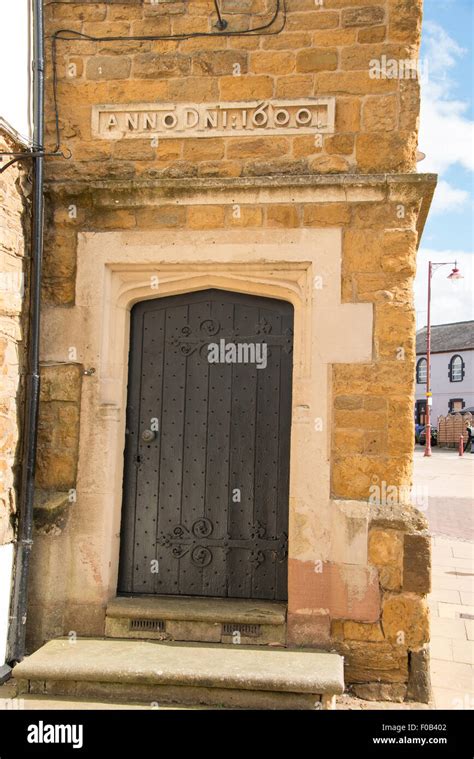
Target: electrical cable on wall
221	22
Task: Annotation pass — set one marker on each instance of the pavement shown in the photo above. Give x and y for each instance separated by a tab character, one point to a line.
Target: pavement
444	490
445	483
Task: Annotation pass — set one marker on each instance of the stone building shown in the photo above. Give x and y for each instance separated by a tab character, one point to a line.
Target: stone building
249	183
14	213
15	201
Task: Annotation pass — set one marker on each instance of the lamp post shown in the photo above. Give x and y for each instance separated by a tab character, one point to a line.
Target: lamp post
455	274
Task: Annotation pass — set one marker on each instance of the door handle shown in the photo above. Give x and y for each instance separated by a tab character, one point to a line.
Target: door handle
148	436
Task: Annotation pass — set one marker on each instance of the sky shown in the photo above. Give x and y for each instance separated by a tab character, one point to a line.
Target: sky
15	59
447	139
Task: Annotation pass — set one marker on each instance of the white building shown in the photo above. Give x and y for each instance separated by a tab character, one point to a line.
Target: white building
452	369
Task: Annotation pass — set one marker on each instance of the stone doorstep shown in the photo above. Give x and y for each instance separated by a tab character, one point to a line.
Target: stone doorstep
156	696
234	676
198	609
185	618
198	632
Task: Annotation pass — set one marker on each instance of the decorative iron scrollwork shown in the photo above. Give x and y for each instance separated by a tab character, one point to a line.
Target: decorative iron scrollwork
256	558
189	340
198	541
210	327
185	348
263	326
201	556
202	528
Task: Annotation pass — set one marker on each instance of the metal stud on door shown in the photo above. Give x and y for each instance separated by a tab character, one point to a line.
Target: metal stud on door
205	506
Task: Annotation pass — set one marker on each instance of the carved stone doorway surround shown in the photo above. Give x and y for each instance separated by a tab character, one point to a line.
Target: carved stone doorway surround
118	269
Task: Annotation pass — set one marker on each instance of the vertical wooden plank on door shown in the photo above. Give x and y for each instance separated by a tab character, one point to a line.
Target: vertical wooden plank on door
194	447
127	529
242	456
144	572
171	449
218	492
284	439
266	459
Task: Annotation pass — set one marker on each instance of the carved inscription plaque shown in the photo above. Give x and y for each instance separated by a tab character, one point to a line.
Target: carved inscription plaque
308	116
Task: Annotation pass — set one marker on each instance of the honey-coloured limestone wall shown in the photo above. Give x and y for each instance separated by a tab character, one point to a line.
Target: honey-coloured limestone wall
15	191
310	51
330	224
13	188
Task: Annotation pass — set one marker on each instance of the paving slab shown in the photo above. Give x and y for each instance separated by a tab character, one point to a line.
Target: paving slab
453	611
448	480
449	698
463	651
463	551
449	628
452	582
442	648
450	674
469	627
447	596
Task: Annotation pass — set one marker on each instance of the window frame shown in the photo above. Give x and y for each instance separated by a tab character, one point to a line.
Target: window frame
418	363
451	365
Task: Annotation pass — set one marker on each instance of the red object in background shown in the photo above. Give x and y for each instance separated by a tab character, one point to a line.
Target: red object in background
455	274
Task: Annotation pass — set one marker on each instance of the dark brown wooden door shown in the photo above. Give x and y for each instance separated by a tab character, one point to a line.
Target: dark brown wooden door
205	508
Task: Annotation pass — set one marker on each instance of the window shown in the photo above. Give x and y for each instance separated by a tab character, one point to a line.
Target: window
456	369
421	372
455	405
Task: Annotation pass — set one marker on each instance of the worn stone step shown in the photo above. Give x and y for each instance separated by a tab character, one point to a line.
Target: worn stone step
198	609
186	618
183	673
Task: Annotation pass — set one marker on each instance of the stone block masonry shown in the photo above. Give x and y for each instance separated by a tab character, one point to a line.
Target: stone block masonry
58	439
14	234
322	52
14	193
316	202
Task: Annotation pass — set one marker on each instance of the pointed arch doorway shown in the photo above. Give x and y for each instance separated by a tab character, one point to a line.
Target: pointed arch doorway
206	483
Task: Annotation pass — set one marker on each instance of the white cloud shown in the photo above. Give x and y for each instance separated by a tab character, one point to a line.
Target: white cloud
446	134
448	198
443	50
451	301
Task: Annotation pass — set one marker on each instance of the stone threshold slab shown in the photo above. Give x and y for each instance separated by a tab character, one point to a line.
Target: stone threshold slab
188	664
198	609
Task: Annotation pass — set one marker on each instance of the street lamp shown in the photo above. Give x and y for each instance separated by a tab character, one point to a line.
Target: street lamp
455	275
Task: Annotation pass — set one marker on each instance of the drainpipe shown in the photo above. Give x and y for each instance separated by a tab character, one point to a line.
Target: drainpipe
19	601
